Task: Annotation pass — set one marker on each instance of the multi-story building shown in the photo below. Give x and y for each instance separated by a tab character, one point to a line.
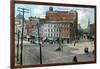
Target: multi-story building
61	24
32	26
35	27
50	31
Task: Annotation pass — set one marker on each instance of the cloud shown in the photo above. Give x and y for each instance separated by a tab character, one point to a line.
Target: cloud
84	22
39	10
83	18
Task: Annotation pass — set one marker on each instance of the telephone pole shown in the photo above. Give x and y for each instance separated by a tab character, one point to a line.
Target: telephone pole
39	41
23	10
18	47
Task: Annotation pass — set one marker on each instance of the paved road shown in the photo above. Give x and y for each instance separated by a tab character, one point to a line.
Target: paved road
31	53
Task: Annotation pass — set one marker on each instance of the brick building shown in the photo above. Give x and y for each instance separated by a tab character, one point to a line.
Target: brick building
64	24
32	28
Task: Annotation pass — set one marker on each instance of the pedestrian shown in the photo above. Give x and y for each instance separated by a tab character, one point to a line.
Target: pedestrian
86	51
74	43
62	43
75	59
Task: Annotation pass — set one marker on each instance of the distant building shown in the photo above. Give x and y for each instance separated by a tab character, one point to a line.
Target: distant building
92	29
32	26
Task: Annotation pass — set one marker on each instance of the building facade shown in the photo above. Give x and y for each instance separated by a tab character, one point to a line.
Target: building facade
35	27
61	24
92	29
56	24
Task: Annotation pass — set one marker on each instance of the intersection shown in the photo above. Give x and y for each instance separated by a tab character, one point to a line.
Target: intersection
31	53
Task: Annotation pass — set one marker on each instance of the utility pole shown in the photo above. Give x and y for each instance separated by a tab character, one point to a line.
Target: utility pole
18	48
18	37
39	42
23	10
75	26
89	25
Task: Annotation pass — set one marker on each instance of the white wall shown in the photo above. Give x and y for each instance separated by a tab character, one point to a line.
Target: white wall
5	34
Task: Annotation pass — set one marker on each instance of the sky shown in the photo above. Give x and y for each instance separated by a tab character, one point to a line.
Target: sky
85	15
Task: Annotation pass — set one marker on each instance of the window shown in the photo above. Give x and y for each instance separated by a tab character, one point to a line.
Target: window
68	25
51	30
54	26
48	25
45	30
48	30
57	29
48	35
53	34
